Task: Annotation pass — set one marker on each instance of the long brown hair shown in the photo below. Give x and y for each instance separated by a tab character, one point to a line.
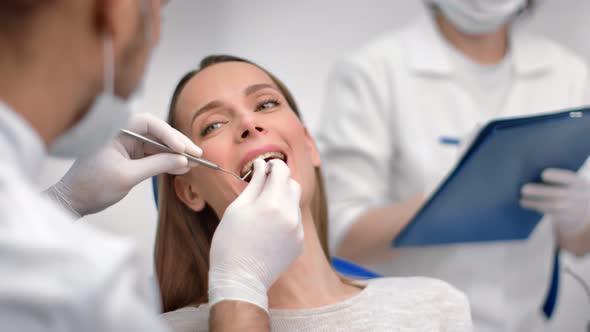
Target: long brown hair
184	236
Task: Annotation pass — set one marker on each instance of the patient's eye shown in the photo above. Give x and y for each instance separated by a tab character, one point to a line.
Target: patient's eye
267	104
211	127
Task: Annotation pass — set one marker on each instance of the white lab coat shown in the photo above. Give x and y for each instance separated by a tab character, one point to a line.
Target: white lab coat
56	275
386	107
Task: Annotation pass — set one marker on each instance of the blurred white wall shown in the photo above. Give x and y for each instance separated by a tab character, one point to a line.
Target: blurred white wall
298	41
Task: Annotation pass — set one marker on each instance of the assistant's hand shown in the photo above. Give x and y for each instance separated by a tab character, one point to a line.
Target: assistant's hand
96	182
564	195
258	238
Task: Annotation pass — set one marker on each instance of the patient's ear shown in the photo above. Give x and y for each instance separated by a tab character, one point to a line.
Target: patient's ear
188	194
313	150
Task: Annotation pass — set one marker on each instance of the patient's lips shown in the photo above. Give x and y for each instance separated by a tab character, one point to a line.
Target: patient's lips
267	153
266	156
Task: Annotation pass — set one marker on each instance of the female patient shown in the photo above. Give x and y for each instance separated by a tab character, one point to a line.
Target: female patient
238	112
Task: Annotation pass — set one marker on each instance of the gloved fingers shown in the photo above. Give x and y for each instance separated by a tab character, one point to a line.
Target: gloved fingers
165	133
144	168
544	191
300	235
559	176
294	191
147	124
190	146
180	171
290	202
295	199
149	150
545	206
277	182
257	181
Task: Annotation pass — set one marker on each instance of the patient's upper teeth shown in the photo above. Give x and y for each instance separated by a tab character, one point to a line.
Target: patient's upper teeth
273	154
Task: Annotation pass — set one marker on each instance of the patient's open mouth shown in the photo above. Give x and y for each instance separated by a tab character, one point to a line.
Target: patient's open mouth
267	156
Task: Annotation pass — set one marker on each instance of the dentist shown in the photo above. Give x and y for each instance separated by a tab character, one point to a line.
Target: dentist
69	71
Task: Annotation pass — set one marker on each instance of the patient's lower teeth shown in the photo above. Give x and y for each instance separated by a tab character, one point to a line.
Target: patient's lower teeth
267	157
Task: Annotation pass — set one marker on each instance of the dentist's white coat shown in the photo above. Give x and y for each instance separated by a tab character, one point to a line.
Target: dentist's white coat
56	275
386	107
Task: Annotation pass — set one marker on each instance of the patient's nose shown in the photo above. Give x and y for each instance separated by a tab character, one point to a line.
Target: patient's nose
248	132
250	127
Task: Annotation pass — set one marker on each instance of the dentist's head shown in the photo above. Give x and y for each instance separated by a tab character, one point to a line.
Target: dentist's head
70	67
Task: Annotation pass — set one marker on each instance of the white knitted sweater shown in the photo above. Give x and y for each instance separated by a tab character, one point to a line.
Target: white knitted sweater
387	304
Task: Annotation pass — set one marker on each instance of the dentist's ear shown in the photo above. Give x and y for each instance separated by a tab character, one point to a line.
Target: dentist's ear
187	194
119	20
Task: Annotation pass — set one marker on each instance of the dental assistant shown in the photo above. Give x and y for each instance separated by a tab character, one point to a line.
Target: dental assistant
387	107
68	71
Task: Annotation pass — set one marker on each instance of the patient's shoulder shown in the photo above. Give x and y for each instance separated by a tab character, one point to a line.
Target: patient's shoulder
188	319
418	289
410	284
427	295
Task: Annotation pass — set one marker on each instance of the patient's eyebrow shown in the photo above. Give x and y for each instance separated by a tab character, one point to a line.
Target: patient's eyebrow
209	106
256	87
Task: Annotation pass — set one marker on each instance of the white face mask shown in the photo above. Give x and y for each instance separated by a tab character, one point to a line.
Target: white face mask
476	17
107	115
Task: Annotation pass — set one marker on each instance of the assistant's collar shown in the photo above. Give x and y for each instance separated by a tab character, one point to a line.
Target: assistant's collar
425	48
531	53
20	144
427	53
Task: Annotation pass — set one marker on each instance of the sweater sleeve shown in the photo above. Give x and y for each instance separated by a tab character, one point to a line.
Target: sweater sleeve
456	313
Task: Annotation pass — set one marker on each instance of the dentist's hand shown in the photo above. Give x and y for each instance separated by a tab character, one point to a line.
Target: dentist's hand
97	182
564	195
259	237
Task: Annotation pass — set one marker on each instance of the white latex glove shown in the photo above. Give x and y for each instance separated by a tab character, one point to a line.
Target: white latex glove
97	182
564	195
258	238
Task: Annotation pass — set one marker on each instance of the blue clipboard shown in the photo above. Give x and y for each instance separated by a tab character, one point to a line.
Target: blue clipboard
479	200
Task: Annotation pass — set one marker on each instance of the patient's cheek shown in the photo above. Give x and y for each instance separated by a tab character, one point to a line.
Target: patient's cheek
222	191
215	148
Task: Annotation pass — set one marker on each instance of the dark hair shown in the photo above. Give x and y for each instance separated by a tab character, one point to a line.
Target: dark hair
184	236
15	13
21	6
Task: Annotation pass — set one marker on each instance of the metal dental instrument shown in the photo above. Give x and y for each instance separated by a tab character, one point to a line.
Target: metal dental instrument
188	156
